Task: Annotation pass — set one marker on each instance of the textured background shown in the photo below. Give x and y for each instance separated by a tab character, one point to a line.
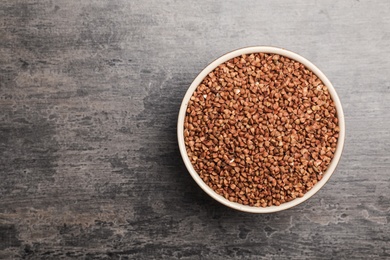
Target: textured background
89	97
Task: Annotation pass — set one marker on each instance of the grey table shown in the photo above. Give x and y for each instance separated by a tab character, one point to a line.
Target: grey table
89	97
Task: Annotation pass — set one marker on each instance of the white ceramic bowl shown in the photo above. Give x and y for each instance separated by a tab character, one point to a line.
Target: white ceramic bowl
211	67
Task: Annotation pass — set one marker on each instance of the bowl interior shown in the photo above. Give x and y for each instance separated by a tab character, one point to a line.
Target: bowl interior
211	67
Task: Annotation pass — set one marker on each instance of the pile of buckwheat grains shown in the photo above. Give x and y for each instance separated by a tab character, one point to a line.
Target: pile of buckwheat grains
261	129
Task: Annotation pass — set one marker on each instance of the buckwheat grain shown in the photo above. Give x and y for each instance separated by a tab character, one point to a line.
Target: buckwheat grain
261	129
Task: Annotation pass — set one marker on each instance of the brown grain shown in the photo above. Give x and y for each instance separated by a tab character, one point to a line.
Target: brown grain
261	129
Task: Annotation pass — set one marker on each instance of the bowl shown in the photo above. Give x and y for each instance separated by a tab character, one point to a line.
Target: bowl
248	50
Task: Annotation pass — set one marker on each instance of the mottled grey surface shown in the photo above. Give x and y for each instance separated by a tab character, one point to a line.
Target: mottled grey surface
89	97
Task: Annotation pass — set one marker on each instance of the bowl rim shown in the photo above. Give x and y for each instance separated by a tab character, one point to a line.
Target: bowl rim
248	50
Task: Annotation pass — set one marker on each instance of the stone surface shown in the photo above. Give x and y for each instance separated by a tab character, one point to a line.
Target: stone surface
89	97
